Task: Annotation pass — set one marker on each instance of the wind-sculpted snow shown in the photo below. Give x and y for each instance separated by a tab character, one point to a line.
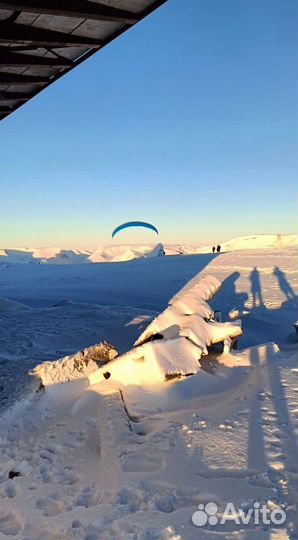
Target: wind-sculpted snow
76	366
44	256
190	300
175	340
171	345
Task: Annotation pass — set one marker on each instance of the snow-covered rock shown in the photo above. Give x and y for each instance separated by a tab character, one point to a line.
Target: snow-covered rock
75	366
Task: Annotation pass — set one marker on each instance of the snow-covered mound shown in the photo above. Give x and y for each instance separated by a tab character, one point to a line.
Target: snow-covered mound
126	253
76	366
157	251
66	256
20	256
44	255
175	340
171	345
9	305
178	249
258	241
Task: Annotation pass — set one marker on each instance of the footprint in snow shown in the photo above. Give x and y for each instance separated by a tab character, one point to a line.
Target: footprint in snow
89	496
64	476
9	490
50	507
10	523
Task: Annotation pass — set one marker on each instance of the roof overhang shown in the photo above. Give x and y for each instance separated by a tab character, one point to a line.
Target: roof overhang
41	40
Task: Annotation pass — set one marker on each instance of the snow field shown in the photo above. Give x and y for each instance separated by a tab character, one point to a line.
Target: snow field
133	461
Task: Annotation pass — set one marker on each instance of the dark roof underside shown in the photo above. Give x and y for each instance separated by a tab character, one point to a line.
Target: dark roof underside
41	40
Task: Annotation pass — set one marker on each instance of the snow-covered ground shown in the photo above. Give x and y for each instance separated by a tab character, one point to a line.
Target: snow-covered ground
113	460
120	253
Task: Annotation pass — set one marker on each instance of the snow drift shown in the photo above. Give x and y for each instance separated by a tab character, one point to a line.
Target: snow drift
9	305
175	340
171	345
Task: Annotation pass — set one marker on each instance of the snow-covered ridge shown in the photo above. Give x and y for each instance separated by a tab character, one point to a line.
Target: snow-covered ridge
116	253
44	255
126	253
257	241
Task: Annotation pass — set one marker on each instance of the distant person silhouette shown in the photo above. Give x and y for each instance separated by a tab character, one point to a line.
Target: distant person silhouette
218	248
284	285
213	249
256	290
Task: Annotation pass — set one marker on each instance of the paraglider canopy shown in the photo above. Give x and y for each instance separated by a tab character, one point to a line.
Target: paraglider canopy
134	224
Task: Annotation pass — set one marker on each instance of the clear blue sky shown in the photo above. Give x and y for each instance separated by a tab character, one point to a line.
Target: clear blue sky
187	121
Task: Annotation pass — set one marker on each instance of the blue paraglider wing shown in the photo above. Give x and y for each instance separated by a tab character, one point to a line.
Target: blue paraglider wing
134	224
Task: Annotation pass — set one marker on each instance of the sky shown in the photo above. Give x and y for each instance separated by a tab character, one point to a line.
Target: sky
186	121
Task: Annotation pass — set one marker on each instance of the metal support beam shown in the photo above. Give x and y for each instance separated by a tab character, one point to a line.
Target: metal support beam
13	78
72	8
23	35
4	109
21	96
13	59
